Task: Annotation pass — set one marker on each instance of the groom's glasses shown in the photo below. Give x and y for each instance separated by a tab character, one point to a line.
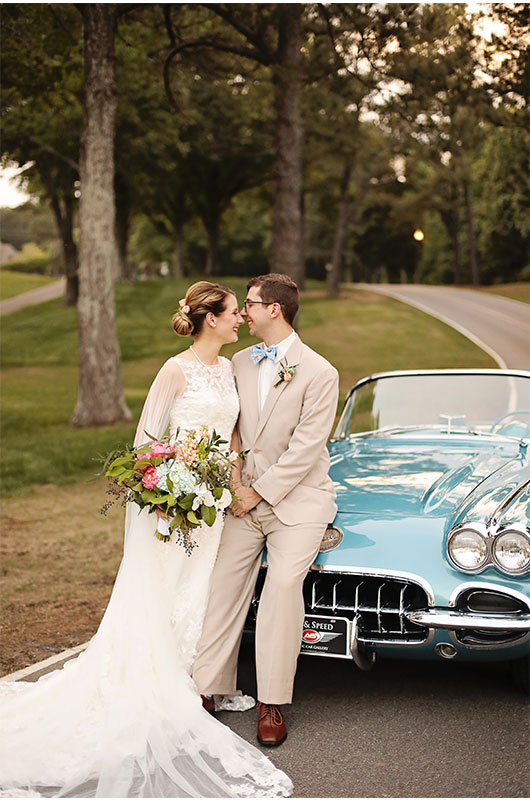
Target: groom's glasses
248	303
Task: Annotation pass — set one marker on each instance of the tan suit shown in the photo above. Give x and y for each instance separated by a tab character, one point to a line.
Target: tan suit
287	465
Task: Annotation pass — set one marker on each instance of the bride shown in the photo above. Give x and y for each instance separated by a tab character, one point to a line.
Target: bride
125	719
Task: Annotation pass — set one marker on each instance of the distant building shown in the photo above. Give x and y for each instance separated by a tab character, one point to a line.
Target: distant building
7	252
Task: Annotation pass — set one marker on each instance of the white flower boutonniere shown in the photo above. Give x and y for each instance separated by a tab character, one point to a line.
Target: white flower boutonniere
286	372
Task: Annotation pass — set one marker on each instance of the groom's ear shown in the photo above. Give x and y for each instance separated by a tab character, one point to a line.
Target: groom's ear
275	310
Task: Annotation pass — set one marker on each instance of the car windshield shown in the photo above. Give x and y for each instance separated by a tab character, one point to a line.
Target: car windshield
455	403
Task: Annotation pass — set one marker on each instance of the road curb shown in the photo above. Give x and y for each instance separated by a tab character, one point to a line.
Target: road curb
44	666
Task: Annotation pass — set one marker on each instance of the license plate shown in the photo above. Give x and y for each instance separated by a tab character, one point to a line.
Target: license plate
326	636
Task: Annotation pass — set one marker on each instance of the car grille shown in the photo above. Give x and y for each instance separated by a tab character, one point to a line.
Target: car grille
379	603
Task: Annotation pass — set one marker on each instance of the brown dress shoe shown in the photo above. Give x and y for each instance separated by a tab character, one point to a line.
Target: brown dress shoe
271	727
208	703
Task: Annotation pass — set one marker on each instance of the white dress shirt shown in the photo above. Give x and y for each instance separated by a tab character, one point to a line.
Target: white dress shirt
268	370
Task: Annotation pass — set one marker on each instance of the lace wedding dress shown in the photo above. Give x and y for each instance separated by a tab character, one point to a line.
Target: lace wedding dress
124	719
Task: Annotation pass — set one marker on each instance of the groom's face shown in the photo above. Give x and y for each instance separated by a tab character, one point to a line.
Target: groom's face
256	313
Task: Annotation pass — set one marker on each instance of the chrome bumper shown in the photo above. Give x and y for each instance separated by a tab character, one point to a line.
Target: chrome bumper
458	620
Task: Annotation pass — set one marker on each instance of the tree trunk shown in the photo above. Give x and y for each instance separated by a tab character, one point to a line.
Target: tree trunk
340	232
177	263
64	219
472	239
100	398
212	231
286	253
450	219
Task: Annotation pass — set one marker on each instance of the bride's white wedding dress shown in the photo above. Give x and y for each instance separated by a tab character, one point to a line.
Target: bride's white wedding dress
124	719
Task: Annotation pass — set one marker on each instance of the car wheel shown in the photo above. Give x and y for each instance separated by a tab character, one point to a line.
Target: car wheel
521	673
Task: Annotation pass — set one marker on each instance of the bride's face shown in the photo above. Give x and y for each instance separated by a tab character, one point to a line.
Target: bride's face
228	322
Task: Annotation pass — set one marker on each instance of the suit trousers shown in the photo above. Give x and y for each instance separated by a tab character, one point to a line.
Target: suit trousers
291	549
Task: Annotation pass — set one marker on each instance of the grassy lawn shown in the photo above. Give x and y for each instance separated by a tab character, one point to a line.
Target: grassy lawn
13	283
59	555
515	291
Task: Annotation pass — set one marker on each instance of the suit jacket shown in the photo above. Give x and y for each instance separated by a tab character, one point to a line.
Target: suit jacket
288	462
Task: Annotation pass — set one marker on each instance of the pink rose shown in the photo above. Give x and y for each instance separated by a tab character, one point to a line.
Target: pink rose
141	458
287	377
162	449
150	478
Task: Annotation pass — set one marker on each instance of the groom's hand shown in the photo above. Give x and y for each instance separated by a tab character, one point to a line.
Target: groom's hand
247	499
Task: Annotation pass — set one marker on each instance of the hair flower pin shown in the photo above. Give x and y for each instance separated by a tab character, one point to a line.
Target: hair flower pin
286	372
183	307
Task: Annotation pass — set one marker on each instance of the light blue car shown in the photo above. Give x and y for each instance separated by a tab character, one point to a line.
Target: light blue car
429	554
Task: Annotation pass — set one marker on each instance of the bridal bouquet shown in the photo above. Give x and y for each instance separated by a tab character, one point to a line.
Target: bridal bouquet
187	480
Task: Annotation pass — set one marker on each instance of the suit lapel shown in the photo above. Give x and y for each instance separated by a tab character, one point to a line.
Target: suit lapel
293	358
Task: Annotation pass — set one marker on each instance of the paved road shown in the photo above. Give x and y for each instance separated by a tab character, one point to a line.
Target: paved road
31	298
500	325
405	729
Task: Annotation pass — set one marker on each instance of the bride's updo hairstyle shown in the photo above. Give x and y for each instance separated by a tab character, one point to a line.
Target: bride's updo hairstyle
201	298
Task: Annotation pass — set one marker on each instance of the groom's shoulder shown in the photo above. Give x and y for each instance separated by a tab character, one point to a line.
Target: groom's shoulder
241	356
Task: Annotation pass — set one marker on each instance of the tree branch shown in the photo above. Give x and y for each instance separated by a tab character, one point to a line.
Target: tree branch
266	57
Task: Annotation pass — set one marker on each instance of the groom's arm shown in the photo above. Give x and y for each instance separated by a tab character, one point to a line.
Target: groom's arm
307	440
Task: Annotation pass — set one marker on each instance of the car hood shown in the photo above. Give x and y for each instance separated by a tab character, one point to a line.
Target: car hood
457	478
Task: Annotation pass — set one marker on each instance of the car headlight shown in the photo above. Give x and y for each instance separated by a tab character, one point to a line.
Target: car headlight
468	549
511	551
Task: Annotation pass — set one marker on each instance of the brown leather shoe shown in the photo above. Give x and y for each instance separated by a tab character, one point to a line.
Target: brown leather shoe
208	703
271	727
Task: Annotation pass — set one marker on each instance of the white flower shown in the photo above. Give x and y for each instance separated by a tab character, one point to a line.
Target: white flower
233	456
203	497
224	501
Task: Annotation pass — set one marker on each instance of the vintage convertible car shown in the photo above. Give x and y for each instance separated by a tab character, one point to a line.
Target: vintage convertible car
429	554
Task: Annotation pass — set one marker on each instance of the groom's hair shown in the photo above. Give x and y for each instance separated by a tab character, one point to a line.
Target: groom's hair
278	288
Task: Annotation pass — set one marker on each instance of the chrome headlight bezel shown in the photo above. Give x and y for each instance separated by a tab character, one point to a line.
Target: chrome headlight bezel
490	536
477	529
519	530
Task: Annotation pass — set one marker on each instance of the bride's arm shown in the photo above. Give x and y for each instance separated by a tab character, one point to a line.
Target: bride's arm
235	475
168	384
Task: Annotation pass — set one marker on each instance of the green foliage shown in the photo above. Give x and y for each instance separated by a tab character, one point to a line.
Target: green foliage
33	260
501	173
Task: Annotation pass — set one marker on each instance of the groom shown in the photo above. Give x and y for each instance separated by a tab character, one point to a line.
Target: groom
288	395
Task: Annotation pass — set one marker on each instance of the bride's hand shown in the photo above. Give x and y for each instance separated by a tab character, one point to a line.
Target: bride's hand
160	514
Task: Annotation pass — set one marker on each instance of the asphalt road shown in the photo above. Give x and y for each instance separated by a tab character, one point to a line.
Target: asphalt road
404	729
500	325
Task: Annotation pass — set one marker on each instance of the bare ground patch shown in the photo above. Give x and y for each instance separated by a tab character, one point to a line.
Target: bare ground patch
58	561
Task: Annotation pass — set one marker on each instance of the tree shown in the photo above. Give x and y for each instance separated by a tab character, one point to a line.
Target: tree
41	77
100	398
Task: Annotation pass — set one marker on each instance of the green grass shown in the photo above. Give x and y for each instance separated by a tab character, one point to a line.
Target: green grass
13	283
359	332
515	291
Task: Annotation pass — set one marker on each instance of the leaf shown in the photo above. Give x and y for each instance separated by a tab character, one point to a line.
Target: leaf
218	492
148	496
186	502
190	516
208	514
169	483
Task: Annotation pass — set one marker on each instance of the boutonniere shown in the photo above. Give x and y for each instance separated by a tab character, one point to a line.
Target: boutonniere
286	372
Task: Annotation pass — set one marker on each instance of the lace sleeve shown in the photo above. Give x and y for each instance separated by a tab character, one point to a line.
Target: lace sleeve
166	387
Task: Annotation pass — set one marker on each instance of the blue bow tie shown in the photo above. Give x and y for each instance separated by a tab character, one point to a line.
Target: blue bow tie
260	351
